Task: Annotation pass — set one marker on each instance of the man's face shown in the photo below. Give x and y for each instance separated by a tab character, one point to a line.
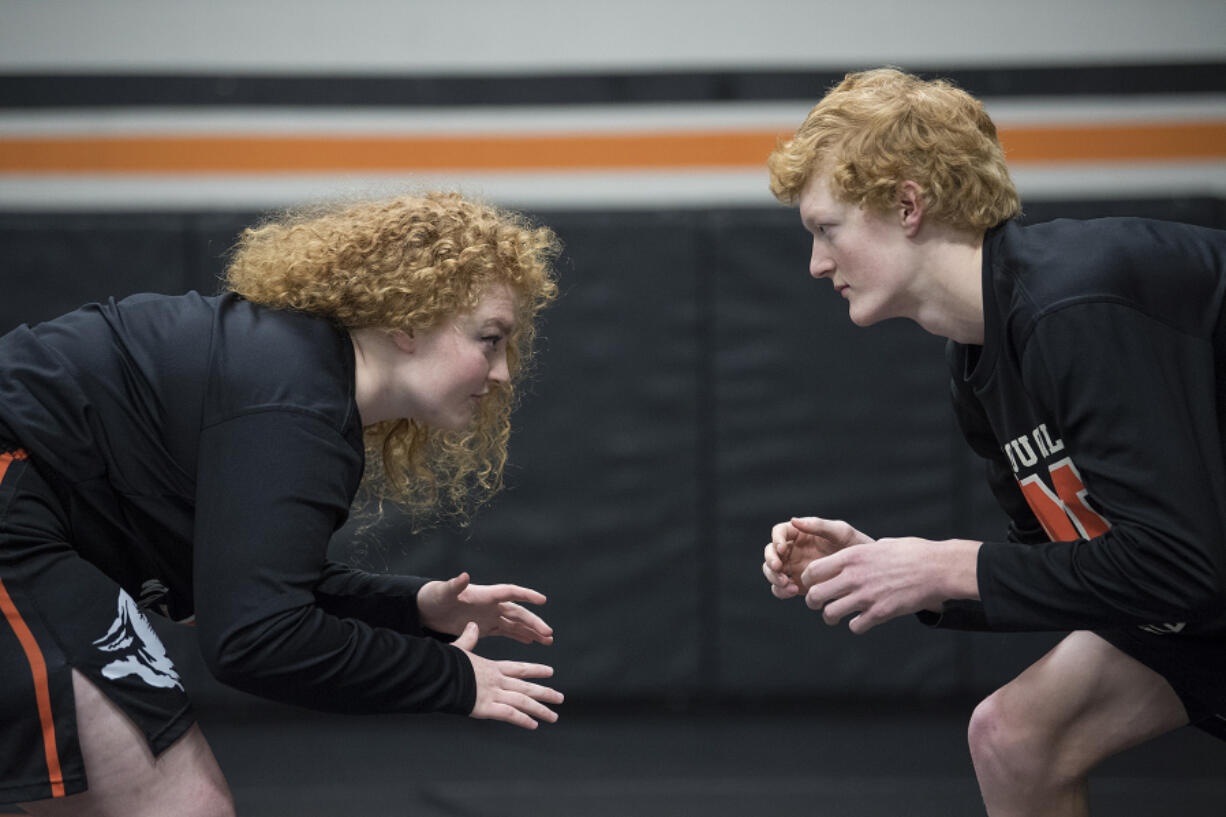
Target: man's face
860	251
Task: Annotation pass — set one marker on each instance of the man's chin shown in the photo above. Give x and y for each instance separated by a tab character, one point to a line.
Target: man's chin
861	318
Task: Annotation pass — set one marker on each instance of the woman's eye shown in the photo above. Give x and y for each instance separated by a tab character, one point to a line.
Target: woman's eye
492	340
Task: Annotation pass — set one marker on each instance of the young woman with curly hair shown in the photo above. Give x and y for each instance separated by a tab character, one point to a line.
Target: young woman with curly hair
1086	364
194	455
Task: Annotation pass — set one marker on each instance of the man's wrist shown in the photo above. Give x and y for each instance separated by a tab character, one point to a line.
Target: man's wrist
960	568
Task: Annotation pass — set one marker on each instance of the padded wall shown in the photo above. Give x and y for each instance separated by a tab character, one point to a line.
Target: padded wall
693	387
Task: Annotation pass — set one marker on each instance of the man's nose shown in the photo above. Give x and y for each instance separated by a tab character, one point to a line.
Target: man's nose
820	263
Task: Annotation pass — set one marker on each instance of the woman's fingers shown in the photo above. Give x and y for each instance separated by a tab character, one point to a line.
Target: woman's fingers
521	702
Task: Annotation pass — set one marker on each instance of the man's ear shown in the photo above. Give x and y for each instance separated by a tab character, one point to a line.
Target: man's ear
405	339
910	207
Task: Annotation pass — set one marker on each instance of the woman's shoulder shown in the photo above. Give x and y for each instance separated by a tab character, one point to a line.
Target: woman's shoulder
275	359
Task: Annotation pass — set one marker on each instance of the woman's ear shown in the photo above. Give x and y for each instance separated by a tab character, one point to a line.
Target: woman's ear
405	339
910	207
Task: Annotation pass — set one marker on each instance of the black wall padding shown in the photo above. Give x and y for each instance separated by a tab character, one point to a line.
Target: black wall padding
96	90
52	263
694	386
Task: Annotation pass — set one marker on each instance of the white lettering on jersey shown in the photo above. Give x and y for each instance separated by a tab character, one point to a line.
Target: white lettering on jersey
138	649
1070	500
1046	444
1021	453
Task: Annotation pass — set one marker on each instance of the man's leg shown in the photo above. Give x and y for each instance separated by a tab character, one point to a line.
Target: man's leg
126	780
1035	740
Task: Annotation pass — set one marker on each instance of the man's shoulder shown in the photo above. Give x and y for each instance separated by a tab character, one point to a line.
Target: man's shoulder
1126	260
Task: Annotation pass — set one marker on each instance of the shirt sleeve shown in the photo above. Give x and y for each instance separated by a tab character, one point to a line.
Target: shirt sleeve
1135	404
382	600
274	617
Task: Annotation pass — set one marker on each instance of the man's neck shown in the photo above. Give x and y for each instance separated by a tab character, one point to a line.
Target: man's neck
952	306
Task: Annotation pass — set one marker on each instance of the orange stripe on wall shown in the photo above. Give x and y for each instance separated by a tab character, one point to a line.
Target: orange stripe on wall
679	150
359	153
1189	140
38	669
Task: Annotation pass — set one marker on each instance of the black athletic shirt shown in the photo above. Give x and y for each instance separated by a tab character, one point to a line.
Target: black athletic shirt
1098	399
206	449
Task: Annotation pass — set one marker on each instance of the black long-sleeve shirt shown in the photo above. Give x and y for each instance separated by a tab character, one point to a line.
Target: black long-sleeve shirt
206	449
1098	400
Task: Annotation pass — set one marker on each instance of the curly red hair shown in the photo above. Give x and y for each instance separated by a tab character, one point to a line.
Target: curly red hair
410	262
879	128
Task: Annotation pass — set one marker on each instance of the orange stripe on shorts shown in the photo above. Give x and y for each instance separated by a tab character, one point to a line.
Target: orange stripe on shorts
38	666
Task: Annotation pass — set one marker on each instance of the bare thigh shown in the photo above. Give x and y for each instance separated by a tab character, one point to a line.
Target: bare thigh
126	780
1087	701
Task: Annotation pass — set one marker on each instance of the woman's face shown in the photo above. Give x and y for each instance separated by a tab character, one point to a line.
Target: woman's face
450	367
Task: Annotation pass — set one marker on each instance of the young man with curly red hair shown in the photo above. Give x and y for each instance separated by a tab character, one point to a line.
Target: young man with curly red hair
1088	365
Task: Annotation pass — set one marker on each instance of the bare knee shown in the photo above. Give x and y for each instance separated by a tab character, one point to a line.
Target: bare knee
1012	748
992	747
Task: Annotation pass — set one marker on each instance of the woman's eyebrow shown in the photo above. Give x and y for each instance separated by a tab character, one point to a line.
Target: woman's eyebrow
499	323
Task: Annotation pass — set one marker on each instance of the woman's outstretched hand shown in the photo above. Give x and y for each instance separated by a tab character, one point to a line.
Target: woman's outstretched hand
447	607
503	694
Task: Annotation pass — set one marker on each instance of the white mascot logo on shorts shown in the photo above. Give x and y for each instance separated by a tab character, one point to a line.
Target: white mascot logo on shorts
143	654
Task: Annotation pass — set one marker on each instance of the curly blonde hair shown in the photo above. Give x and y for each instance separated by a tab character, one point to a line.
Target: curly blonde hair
879	128
410	262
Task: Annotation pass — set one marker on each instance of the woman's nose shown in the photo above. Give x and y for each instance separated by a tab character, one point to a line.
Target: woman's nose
500	372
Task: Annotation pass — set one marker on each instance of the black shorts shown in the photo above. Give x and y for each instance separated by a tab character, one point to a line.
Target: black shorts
1195	667
63	613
